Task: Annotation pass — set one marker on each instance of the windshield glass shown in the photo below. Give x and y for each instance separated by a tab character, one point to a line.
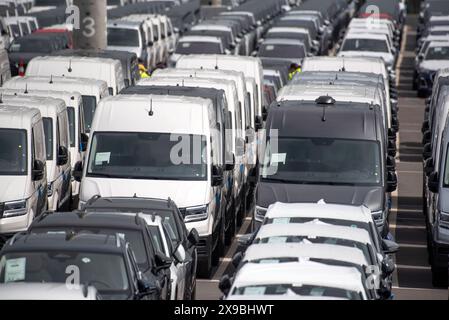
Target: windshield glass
30	45
123	37
437	53
89	106
323	161
15	30
446	170
157	239
48	133
286	35
71	115
152	156
365	45
107	272
198	48
302	290
282	51
13	152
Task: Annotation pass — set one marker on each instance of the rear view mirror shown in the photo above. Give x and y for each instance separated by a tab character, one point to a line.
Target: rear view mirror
179	254
434	182
421	57
38	170
63	156
392	182
427	152
78	171
83	142
225	284
392	150
193	237
217	176
425	126
427	137
429	166
245	240
388	267
237	259
259	123
146	287
389	247
162	261
391	164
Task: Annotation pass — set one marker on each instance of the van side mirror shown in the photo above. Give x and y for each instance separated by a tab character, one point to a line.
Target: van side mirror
389	247
434	182
395	123
150	43
259	123
78	171
425	126
427	137
146	288
230	166
392	182
388	267
193	237
264	113
392	134
162	261
420	57
83	142
429	166
427	153
179	254
237	259
391	163
245	240
217	176
38	170
392	149
63	156
225	284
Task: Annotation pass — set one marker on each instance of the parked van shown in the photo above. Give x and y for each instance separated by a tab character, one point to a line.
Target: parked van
5	69
15	28
108	70
4	34
77	130
157	155
23	174
92	91
56	132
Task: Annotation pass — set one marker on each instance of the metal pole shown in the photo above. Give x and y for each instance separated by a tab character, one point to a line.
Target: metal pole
92	23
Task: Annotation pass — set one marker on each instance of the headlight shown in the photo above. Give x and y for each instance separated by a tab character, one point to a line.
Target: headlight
444	220
49	189
15	209
195	214
260	213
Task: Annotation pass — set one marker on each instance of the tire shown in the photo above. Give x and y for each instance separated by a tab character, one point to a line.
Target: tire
205	268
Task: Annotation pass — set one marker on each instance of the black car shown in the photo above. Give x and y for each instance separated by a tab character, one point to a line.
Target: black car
106	262
172	218
327	150
130	227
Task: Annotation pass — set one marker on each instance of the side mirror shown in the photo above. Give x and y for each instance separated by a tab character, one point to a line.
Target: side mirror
428	101
254	54
225	284
38	170
395	123
427	152
434	182
391	163
230	166
245	240
237	259
259	123
78	171
63	156
150	43
420	57
388	267
193	237
171	51
264	113
146	287
83	142
427	137
391	134
389	247
217	176
392	150
425	126
162	261
429	166
392	182
179	254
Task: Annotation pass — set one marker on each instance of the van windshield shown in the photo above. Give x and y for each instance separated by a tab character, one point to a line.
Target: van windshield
198	47
48	133
323	161
365	45
438	53
89	106
282	51
13	152
123	37
150	156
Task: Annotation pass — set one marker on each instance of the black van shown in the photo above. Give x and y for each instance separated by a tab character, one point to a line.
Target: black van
326	150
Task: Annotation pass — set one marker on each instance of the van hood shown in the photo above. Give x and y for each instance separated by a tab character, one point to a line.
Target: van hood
371	197
136	50
184	193
12	188
434	65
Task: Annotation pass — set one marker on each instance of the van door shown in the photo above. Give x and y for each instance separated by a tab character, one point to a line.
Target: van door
62	133
38	152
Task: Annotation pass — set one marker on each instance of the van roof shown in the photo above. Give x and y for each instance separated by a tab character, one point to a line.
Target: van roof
200	39
82	85
18	117
305	119
49	107
110	114
124	24
70	98
352	64
365	35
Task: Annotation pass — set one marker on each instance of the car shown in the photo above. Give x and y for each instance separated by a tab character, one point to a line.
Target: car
104	261
47	292
173	221
301	34
23	166
434	58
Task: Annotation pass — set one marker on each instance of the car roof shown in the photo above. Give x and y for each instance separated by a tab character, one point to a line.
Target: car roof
319	210
207	93
366	35
301	273
200	39
288	30
314	229
304	251
18	117
305	119
434	44
67	96
45	291
48	106
283	42
124	23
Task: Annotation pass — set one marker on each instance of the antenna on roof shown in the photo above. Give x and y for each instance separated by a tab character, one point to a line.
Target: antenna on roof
85	290
70	66
169	201
323	117
1	97
26	88
51	79
151	113
216	62
135	195
183	83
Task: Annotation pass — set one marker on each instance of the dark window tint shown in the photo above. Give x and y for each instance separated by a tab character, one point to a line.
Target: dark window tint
48	133
13	152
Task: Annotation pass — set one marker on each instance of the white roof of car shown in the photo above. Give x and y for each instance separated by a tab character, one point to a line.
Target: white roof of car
70	98
18	117
45	291
304	251
48	107
350	64
366	35
283	42
313	230
317	210
288	30
299	273
200	39
206	26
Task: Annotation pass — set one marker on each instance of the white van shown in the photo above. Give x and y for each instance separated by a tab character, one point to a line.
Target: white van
92	91
108	70
23	175
5	69
142	150
4	34
77	131
56	132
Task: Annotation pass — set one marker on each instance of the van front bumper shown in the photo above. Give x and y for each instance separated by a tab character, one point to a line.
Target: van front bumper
14	224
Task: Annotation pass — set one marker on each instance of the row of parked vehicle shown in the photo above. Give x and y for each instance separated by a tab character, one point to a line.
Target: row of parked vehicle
431	78
325	186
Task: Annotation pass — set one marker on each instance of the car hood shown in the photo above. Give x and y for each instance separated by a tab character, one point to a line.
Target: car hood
434	65
184	193
12	188
371	197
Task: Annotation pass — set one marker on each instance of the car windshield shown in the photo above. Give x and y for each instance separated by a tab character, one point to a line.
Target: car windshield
372	45
157	239
288	35
437	53
15	30
198	48
151	156
282	51
123	37
302	290
89	106
106	272
71	115
48	133
13	152
31	45
324	161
